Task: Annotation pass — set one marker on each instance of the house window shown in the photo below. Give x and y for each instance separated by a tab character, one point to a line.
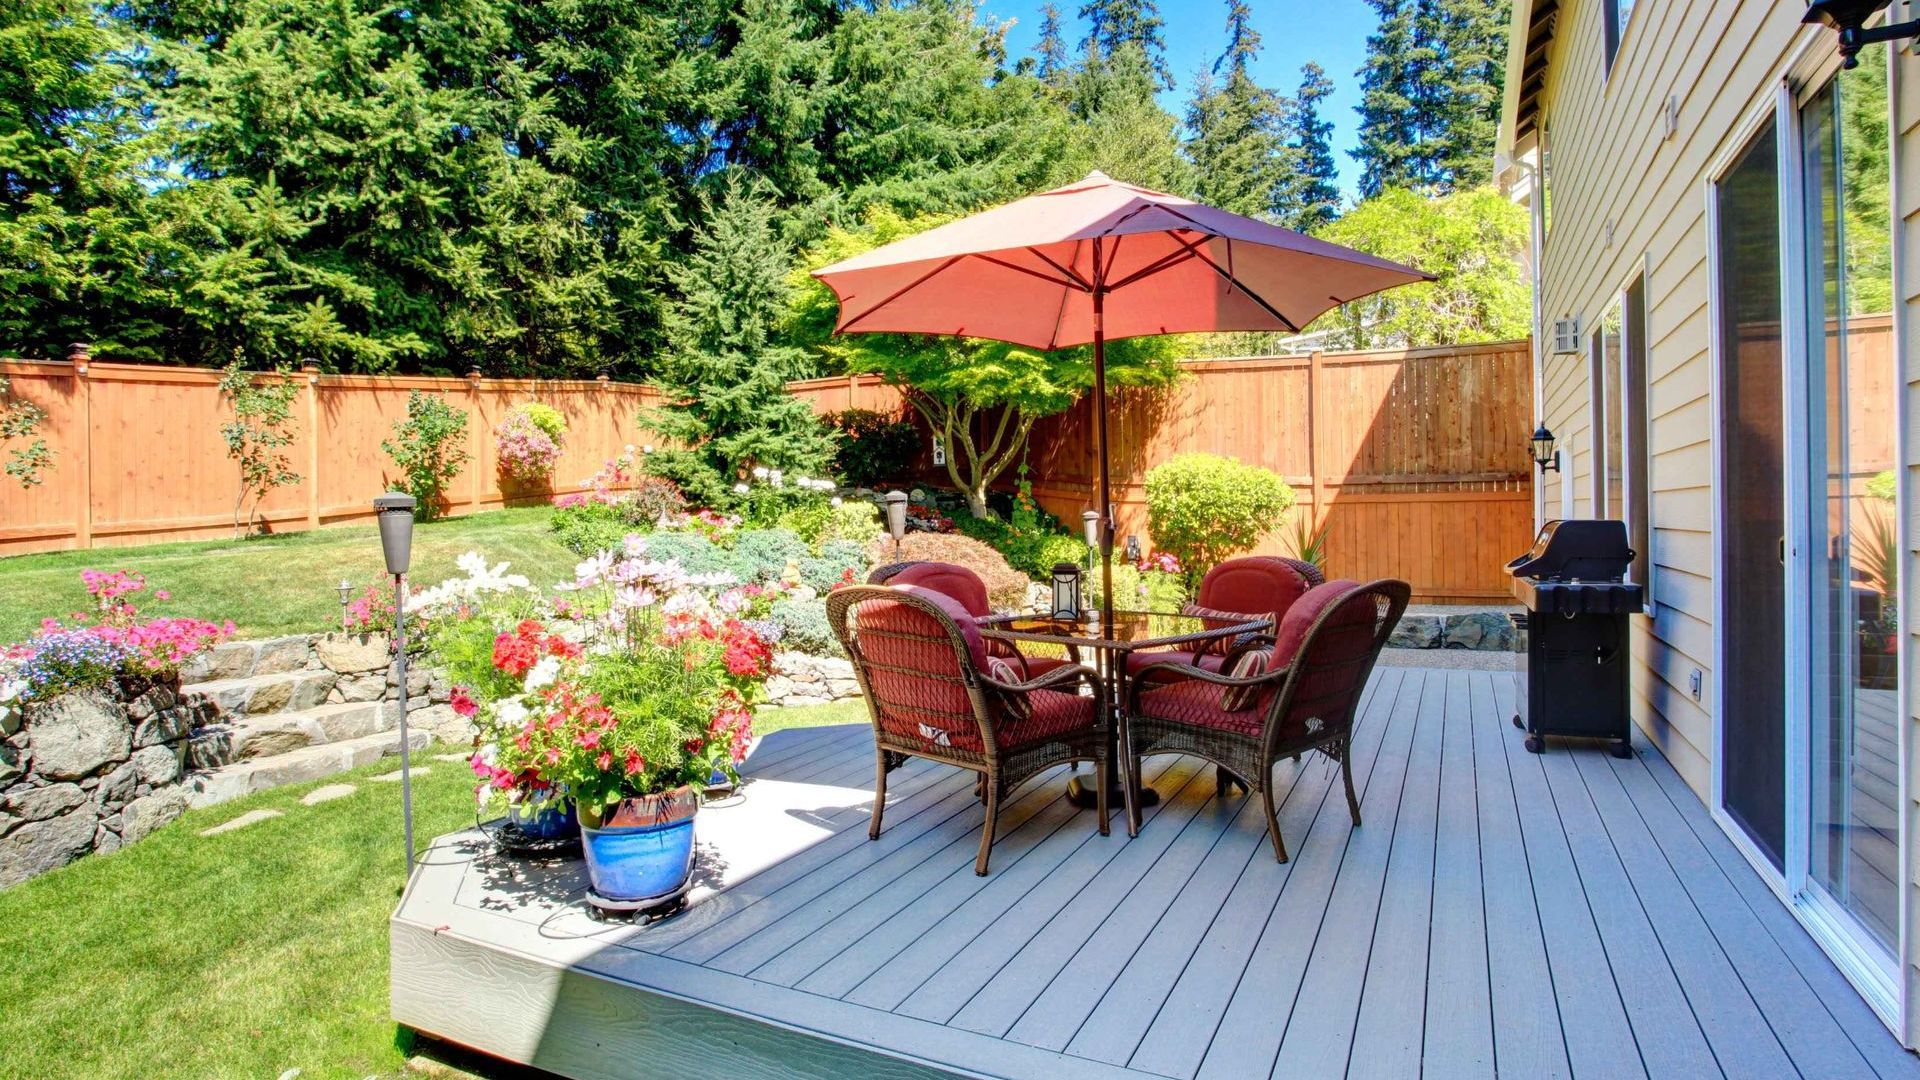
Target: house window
1615	15
1617	374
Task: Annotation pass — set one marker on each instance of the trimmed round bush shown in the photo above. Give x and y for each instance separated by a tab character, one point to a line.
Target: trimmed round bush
1204	508
590	527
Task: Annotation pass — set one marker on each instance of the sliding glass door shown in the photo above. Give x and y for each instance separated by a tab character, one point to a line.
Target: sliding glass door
1851	567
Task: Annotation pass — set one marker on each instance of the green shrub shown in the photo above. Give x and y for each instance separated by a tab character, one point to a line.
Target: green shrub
545	417
763	554
808	521
873	446
821	572
1204	508
695	553
429	447
1030	551
1881	486
1137	590
804	627
854	519
590	527
698	481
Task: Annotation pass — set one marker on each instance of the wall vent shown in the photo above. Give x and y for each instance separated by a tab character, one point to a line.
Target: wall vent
1566	335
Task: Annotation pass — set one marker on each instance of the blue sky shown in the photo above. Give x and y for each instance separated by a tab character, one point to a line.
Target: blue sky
1292	32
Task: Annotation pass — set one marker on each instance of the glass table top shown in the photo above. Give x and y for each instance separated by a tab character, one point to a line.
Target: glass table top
1129	629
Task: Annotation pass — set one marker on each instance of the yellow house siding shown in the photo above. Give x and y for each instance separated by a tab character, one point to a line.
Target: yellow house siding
1905	88
1611	163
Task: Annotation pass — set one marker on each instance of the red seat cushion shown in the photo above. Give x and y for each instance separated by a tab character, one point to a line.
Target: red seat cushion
1052	715
1191	701
1138	660
1267	586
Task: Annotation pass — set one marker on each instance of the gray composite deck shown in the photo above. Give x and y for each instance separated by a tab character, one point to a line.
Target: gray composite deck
1498	913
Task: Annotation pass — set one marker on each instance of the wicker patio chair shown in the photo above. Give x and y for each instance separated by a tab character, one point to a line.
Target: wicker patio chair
1256	586
924	669
962	584
1305	699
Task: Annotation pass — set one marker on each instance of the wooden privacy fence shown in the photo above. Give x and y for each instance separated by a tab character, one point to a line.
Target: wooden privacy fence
138	456
1414	459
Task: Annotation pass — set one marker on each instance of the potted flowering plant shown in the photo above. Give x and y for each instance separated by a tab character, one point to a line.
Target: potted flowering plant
631	715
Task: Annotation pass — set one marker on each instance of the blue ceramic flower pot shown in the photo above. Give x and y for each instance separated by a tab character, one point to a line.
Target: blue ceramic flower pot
642	861
544	821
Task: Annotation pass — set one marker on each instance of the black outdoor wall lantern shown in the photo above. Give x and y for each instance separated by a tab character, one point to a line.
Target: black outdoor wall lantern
1544	453
1849	18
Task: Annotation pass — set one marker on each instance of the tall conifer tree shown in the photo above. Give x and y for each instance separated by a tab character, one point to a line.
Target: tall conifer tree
1113	24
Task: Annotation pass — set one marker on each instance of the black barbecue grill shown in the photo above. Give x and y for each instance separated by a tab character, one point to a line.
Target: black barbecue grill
1575	667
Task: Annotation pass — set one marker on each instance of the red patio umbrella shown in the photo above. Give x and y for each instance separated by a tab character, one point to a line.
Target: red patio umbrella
1040	271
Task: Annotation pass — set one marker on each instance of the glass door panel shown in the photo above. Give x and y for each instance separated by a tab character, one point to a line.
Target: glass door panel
1752	709
1853	565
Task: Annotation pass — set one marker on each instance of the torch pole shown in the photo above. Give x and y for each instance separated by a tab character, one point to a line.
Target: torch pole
400	666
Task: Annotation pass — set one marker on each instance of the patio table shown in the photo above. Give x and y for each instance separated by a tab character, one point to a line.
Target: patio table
1130	632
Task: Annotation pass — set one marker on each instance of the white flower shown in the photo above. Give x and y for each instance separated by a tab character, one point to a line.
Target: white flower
835	501
760	472
634	597
635	545
739	489
803	481
512	714
543	673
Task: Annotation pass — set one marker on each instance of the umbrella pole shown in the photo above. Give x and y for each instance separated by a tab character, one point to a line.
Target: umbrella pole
1100	448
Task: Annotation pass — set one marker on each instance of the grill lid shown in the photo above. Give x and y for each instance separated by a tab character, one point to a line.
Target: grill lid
1577	550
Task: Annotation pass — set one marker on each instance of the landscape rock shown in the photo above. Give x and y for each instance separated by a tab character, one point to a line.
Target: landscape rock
143	815
105	841
39	846
361	688
116	787
1416	632
1480	630
353	654
281	654
38	804
444	724
241	822
157	765
229	660
10	769
170	723
326	793
75	734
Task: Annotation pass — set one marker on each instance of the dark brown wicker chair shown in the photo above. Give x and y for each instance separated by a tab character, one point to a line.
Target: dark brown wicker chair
924	669
1323	652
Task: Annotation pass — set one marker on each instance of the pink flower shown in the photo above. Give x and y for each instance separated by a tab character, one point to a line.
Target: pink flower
462	702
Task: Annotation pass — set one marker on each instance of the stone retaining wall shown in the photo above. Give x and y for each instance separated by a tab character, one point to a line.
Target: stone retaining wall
90	771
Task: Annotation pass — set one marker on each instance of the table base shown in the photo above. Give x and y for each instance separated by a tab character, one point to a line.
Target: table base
1084	793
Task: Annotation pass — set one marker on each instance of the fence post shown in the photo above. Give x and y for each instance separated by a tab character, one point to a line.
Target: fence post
311	371
1315	490
80	355
474	447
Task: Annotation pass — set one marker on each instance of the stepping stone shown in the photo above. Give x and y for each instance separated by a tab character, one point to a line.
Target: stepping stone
394	776
327	793
249	818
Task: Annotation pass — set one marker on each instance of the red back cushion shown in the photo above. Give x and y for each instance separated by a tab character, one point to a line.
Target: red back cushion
1299	618
918	681
957	582
1256	585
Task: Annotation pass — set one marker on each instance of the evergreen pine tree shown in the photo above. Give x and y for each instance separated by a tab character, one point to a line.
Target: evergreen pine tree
1243	41
1052	46
1316	191
1389	87
1235	139
725	369
1113	24
1458	95
1123	130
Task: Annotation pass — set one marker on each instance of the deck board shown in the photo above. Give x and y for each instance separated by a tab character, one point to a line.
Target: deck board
1498	913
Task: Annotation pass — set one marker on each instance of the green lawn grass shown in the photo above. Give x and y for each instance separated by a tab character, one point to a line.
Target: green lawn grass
237	955
277	584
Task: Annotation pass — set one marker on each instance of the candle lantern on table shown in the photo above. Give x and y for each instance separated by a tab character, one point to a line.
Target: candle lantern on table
1066	591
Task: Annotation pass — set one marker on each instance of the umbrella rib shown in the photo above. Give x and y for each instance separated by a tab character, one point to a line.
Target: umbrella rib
1078	281
1028	271
1186	252
1251	295
898	293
